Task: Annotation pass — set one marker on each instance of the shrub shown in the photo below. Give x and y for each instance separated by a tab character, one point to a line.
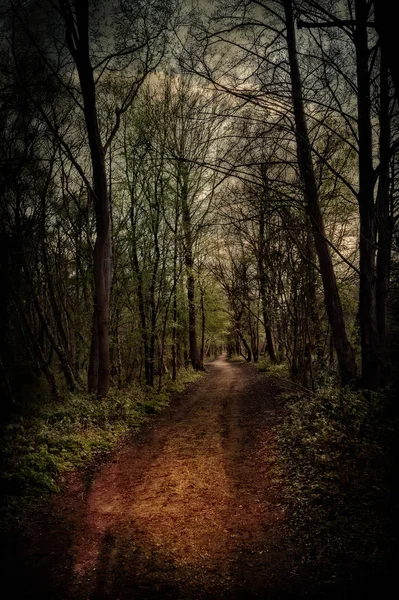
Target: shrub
335	461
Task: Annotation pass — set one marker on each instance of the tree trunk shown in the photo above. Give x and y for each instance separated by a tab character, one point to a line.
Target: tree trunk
241	338
345	356
189	262
386	25
174	313
77	38
203	320
370	346
152	299
92	372
262	285
140	296
192	333
248	358
313	330
384	220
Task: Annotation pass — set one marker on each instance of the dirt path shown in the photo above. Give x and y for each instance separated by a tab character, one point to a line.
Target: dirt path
187	510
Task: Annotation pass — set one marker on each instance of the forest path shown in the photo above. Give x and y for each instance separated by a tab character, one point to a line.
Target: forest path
186	510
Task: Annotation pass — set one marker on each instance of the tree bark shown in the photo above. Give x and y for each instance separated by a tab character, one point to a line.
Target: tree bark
384	218
370	345
152	299
76	18
248	358
174	310
262	285
140	296
343	349
386	25
189	263
92	372
203	322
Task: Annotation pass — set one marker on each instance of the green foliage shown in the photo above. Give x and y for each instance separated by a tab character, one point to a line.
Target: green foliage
336	458
184	377
236	359
48	438
278	370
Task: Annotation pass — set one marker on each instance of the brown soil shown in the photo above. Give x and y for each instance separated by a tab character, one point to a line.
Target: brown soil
188	509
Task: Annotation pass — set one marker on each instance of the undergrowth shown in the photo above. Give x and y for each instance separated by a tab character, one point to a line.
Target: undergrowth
45	438
336	465
278	370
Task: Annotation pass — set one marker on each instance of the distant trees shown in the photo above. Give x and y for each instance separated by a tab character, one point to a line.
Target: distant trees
192	138
176	133
148	211
335	88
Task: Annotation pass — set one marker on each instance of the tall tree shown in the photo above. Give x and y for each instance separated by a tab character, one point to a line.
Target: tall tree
97	51
194	128
386	28
374	208
371	351
76	18
335	313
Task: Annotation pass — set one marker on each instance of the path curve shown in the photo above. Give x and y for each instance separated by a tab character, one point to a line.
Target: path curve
187	510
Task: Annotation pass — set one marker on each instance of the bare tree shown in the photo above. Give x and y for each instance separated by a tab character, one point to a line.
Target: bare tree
97	51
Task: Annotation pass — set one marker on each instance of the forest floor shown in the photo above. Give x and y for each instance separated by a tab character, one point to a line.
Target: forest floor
188	508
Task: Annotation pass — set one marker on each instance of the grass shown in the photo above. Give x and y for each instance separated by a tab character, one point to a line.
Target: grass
236	358
46	438
280	369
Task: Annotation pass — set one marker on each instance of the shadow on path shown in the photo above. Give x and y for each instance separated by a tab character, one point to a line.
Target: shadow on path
187	510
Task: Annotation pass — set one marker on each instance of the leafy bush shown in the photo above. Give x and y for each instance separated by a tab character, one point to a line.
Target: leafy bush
278	370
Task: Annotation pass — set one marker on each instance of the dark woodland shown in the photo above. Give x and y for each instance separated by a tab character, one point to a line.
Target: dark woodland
199	307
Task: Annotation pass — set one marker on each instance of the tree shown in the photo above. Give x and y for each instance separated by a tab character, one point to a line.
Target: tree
266	86
374	208
135	52
193	132
386	29
342	346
